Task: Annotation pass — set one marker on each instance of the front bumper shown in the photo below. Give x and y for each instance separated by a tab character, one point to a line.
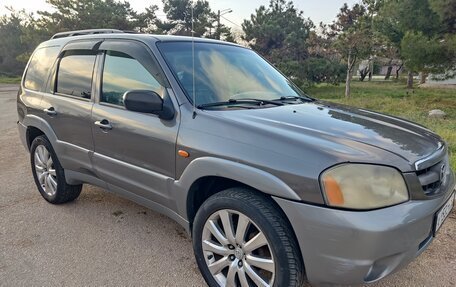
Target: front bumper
353	247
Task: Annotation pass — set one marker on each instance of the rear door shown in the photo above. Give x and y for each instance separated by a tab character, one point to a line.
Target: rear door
133	151
67	105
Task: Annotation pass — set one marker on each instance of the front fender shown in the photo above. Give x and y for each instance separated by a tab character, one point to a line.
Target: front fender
210	166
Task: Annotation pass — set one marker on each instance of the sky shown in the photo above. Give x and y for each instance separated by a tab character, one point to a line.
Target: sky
317	10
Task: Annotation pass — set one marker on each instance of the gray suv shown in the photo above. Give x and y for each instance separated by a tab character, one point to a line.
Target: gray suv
274	186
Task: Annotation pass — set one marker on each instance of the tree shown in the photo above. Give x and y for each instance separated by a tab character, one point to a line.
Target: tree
353	39
179	17
91	14
426	54
414	18
324	62
179	20
279	32
148	21
446	9
16	44
280	26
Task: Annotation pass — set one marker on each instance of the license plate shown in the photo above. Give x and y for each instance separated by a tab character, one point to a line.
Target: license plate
444	212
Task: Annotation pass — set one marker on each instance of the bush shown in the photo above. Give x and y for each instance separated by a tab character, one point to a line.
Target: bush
323	70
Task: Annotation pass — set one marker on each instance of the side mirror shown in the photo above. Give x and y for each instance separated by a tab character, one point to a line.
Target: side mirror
144	101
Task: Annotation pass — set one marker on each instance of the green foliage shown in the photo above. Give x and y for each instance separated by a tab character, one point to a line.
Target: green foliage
352	37
446	9
387	23
351	33
14	50
422	53
409	15
148	21
89	14
278	31
422	31
282	34
10	80
324	70
179	15
179	20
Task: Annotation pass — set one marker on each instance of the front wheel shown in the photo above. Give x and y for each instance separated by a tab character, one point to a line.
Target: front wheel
241	239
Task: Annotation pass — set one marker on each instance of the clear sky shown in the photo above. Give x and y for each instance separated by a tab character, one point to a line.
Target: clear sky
317	10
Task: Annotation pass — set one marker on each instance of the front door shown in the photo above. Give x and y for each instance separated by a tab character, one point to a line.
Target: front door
133	151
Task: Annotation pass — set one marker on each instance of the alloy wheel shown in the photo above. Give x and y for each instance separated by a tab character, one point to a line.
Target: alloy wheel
45	171
237	251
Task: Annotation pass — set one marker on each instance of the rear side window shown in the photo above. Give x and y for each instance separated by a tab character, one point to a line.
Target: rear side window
38	69
74	76
123	73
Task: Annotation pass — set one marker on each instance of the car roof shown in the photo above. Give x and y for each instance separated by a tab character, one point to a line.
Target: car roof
146	38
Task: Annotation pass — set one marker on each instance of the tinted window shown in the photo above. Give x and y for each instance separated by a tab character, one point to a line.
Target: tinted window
224	72
123	73
39	66
75	74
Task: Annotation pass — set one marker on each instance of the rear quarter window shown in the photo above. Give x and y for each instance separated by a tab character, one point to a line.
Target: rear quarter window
74	77
38	69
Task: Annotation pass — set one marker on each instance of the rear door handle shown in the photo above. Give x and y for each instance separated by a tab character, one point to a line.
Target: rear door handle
104	124
51	111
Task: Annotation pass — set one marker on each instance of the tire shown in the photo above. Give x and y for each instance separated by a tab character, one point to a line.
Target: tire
233	257
49	175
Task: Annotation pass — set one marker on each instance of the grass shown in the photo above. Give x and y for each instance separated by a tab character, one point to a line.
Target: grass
10	80
394	99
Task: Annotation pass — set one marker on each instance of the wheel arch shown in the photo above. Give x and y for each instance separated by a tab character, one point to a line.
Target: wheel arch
37	126
206	176
31	133
203	188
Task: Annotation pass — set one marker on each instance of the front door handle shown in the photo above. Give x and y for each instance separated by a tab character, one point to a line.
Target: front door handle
51	111
104	124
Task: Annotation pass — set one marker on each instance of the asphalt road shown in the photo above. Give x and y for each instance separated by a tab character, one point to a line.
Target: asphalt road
101	239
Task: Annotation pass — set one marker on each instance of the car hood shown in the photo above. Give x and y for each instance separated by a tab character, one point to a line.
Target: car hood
405	139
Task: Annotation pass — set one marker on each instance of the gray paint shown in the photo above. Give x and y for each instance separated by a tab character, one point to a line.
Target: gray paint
346	247
280	151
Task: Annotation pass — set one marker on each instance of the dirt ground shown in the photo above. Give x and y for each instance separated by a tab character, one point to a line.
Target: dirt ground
101	239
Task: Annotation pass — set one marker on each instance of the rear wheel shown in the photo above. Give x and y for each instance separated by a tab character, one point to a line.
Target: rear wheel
241	239
49	175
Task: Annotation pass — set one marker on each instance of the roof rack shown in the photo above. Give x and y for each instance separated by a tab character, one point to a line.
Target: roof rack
85	32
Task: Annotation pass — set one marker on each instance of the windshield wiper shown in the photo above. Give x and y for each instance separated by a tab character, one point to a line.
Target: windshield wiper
230	102
304	99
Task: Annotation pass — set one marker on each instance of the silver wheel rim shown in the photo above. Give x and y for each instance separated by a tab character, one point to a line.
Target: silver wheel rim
45	171
237	251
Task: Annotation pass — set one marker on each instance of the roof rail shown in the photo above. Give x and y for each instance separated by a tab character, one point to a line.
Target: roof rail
85	32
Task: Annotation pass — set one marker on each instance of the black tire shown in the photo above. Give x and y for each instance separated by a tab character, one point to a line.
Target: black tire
267	216
64	192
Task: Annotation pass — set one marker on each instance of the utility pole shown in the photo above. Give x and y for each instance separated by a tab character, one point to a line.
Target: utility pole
217	33
219	26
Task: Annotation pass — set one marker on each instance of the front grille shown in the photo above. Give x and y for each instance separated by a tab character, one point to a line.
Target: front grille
434	177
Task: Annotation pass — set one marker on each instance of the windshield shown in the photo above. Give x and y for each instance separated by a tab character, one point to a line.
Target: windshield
224	73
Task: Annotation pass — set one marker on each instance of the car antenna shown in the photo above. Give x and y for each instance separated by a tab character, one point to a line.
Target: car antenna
193	67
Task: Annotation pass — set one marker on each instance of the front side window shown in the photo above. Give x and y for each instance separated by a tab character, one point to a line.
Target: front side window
224	72
39	66
74	76
123	73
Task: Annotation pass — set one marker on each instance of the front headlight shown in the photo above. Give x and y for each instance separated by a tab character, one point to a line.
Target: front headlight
363	186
